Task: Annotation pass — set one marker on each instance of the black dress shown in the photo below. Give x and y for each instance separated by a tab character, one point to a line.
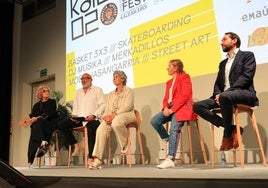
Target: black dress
43	127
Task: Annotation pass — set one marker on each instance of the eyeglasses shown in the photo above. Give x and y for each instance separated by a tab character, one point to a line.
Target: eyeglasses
85	78
45	90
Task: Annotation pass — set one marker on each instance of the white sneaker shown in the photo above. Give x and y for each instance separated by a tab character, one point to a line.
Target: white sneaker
168	163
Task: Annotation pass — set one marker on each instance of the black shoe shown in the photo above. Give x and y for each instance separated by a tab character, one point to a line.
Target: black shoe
42	150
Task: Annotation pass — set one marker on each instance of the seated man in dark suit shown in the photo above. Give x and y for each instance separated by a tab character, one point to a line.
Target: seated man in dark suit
233	85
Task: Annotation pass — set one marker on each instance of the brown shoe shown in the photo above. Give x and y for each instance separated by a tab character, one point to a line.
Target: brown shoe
226	144
235	138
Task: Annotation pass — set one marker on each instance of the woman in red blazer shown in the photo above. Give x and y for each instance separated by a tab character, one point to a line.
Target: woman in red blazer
177	108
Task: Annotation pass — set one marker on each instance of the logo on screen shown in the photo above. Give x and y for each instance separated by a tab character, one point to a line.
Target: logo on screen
109	13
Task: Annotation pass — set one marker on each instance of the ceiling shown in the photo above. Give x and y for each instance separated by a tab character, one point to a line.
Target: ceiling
32	8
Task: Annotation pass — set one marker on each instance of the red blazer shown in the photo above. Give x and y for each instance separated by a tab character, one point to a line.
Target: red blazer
181	97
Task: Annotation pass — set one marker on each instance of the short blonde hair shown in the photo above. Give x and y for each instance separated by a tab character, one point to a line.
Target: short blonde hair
177	63
40	90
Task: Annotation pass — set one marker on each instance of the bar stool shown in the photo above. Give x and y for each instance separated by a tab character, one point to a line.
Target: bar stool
136	125
239	108
201	141
82	129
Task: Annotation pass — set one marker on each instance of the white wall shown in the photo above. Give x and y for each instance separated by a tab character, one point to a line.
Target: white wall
40	43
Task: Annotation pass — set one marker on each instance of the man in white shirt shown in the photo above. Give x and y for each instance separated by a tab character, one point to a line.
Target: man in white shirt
88	103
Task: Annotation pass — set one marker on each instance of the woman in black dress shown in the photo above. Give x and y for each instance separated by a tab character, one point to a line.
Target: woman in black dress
43	119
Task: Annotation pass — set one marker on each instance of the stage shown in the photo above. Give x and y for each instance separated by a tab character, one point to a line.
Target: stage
199	176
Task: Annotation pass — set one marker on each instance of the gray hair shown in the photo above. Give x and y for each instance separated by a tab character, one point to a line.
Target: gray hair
122	75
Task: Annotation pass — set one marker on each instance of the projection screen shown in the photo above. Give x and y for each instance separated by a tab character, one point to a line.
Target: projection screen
141	36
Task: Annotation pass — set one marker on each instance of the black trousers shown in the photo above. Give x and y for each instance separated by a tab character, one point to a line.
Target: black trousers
66	126
227	101
41	130
91	131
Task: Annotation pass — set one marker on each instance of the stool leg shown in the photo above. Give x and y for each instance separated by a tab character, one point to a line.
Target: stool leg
201	140
49	155
181	147
109	149
190	142
234	158
85	146
212	145
256	130
239	137
57	149
167	129
234	151
129	147
69	156
39	162
138	132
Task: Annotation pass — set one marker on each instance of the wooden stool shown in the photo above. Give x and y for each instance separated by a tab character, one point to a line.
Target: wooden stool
58	163
239	108
135	125
82	129
201	141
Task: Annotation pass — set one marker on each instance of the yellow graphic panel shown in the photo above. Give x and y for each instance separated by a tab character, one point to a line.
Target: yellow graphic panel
189	34
70	77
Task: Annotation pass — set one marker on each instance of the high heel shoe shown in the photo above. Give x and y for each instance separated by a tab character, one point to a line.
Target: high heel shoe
76	152
124	150
97	164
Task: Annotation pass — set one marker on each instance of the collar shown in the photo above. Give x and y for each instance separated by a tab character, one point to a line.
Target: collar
234	53
115	91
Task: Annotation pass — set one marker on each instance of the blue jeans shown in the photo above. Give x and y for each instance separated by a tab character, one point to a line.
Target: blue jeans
174	133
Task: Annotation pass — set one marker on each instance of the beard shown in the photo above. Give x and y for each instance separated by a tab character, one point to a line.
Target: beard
86	85
226	48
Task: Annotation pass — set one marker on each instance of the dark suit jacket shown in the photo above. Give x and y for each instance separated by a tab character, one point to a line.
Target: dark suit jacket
241	76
